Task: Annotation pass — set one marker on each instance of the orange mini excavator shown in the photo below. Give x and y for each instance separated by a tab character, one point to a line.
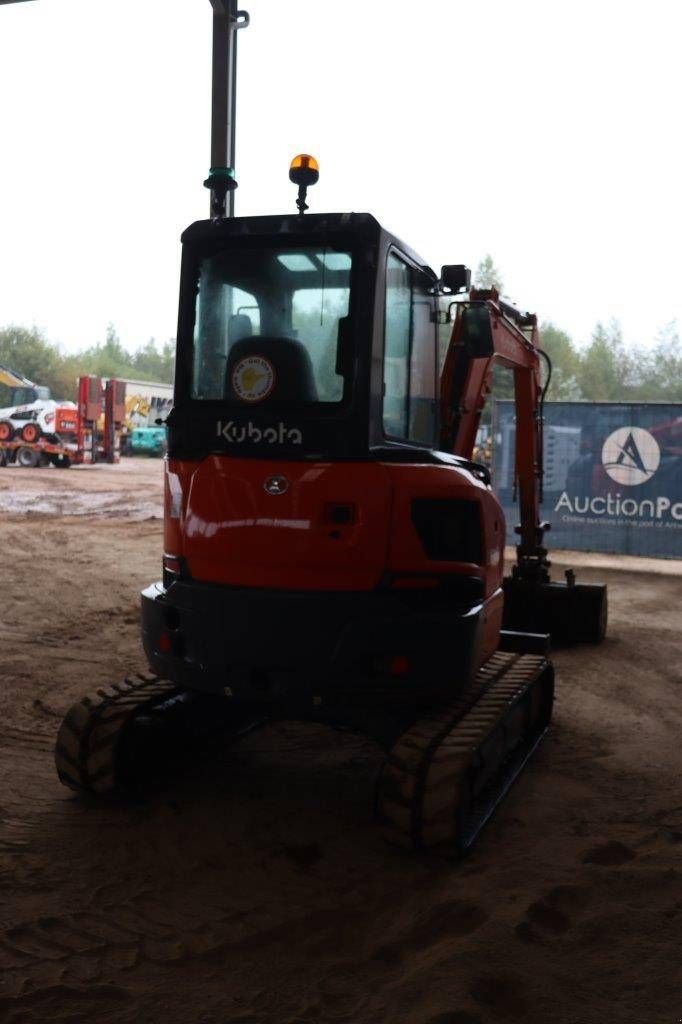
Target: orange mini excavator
332	552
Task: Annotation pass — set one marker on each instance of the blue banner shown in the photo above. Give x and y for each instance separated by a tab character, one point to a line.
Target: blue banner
613	475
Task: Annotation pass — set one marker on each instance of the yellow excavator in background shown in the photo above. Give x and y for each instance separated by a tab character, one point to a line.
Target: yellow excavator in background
12	379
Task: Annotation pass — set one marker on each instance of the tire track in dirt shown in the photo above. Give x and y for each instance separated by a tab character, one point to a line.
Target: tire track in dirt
147	930
68	1004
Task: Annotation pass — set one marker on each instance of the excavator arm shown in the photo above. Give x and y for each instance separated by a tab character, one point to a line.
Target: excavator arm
14	380
488	331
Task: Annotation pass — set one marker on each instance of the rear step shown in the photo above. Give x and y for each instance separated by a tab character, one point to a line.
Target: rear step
446	775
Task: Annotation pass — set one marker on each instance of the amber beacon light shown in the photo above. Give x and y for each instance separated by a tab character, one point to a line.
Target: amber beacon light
304	171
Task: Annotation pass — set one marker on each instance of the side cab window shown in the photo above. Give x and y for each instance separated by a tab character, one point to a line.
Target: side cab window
409	402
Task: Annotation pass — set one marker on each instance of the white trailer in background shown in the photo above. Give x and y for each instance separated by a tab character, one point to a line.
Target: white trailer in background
146	403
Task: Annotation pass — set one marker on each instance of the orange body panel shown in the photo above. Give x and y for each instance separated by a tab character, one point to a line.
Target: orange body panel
229	530
221	519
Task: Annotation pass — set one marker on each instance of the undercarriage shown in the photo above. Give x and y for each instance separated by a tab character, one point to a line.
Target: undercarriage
445	770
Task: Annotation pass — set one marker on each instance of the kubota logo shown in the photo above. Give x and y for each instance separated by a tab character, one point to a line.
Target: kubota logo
631	455
249	433
276	485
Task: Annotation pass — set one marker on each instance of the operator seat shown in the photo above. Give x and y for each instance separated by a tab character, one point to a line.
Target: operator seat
238	326
294	375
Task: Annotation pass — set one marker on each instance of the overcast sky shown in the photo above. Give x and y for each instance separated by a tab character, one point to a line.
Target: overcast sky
544	132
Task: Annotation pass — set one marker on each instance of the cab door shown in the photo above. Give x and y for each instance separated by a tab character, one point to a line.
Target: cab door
406	412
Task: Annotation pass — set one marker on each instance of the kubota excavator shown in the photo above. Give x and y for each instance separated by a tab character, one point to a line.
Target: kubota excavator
331	551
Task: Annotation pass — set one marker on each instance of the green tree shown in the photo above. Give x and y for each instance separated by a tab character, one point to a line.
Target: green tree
487	275
667	365
565	363
154	364
605	367
108	358
26	350
657	372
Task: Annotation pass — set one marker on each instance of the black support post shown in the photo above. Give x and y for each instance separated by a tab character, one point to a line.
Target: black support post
227	20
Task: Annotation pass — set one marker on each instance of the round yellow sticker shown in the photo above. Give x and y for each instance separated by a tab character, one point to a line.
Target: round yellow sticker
253	378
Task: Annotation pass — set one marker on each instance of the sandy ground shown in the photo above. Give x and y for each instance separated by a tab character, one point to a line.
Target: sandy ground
257	890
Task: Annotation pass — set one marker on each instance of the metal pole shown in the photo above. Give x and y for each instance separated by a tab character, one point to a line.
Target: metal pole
227	20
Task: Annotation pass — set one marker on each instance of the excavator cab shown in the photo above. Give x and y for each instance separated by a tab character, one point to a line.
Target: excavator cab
281	341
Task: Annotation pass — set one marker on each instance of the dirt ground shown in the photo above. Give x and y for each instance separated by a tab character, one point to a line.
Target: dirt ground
257	890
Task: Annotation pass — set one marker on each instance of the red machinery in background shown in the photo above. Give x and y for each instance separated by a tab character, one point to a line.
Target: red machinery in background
114	415
101	412
88	432
89	413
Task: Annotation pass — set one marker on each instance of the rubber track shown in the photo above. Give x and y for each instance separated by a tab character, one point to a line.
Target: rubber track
424	790
85	754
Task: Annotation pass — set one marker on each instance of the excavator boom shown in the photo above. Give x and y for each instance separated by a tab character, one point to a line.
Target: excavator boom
488	331
13	379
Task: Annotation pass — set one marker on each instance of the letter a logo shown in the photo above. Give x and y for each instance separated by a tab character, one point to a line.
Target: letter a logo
631	455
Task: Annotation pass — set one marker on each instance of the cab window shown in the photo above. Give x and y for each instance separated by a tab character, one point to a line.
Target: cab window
409	402
269	325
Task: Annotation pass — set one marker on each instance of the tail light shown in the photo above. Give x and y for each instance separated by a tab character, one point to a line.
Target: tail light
174	568
392	664
399	665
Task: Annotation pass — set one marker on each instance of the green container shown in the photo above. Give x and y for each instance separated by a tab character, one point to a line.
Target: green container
148	441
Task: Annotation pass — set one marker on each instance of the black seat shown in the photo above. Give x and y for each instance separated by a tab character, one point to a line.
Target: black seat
294	376
239	326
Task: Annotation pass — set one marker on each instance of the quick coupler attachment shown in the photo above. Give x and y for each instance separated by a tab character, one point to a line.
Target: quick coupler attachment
570	612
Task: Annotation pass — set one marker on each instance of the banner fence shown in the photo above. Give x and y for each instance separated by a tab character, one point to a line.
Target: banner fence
613	475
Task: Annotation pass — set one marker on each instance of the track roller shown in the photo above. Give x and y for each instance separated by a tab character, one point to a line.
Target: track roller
444	777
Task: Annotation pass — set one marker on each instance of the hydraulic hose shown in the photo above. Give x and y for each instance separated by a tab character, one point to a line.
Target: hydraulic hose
541	425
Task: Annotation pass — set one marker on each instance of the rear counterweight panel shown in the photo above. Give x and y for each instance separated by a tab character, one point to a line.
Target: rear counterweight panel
300	648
